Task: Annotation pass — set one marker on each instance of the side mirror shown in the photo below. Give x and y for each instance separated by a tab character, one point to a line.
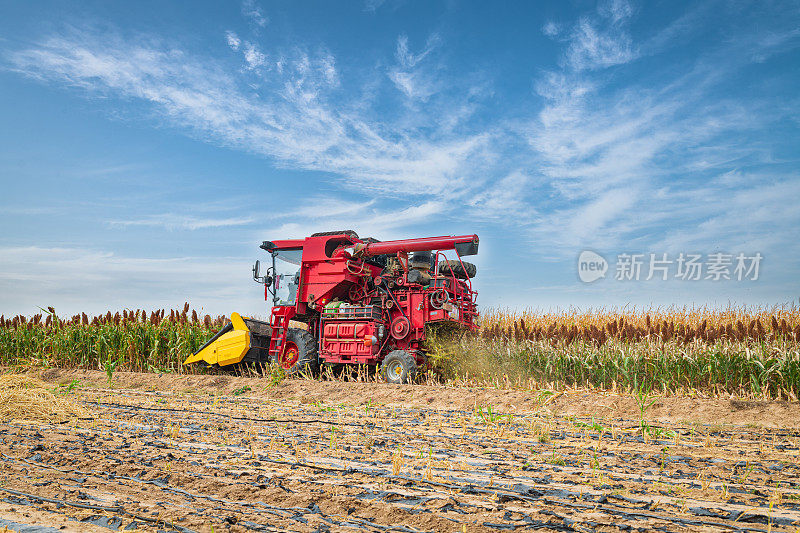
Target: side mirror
257	271
268	280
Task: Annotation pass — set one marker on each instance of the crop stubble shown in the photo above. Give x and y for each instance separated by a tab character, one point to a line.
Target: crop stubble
258	462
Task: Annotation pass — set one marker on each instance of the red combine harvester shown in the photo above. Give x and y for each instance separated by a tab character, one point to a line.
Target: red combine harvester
363	302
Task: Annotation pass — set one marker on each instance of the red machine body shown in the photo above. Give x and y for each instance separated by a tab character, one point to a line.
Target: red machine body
362	299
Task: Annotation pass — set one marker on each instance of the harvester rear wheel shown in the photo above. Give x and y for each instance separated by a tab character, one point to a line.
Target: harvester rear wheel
299	352
399	366
469	270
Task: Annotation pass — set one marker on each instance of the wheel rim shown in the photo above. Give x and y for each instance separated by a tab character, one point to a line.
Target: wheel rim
290	355
395	370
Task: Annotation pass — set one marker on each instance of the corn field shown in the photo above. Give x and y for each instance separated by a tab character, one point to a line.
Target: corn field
753	353
131	340
680	325
747	352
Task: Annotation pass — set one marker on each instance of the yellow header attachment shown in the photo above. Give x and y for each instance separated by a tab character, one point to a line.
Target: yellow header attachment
227	347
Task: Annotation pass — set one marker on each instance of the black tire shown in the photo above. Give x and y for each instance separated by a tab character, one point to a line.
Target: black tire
348	232
399	366
471	270
307	352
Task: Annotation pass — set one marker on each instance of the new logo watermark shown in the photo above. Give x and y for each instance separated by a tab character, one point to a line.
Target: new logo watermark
591	266
683	266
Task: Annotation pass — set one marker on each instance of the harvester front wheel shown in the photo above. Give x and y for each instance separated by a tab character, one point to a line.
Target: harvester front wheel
299	352
399	366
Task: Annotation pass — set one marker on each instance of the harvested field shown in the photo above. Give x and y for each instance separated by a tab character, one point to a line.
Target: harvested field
220	453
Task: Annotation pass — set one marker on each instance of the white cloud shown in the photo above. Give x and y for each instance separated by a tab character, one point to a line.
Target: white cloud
597	42
172	221
756	212
93	281
253	12
327	207
368	219
551	29
233	40
327	67
291	118
406	58
371	6
410	76
411	85
253	56
589	222
627	165
592	47
615	10
506	199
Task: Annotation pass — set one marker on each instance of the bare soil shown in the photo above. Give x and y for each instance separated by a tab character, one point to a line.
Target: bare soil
224	453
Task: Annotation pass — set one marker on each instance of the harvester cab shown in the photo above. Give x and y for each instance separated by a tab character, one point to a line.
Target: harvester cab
340	299
286	266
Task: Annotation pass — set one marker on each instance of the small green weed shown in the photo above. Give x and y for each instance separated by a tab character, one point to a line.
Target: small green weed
557	460
66	388
490	416
324	408
110	365
594	426
276	375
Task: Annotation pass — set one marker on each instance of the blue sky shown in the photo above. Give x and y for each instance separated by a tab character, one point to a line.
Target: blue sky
148	148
